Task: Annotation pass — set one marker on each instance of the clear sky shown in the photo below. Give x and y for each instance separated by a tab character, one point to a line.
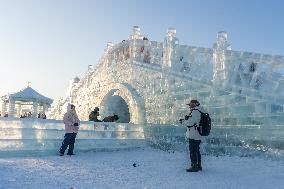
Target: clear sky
49	42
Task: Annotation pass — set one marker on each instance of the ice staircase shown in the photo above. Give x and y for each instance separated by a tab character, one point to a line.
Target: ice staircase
244	124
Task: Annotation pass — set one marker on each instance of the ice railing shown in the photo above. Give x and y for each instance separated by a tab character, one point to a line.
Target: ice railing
45	136
146	51
28	137
128	51
251	71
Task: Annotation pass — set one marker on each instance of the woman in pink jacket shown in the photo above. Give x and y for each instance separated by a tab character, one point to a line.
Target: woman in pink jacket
72	123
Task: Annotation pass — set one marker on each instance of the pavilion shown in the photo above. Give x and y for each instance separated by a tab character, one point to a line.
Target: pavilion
12	103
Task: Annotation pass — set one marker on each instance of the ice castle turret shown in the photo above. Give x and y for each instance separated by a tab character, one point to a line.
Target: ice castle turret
220	48
170	44
136	33
72	87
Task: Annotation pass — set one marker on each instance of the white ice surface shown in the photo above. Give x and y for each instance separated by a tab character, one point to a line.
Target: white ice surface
155	169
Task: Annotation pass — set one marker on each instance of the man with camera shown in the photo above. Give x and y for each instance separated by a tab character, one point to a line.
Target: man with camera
191	121
71	122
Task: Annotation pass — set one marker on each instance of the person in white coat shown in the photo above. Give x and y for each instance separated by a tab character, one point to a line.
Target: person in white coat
191	121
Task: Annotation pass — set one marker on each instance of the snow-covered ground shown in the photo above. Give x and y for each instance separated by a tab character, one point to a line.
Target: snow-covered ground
154	169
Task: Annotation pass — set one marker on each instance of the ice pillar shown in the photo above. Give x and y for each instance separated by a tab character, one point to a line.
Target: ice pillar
19	109
35	107
108	54
219	58
11	107
170	42
4	108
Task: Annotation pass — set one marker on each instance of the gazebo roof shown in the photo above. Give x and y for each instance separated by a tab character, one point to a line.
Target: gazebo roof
29	94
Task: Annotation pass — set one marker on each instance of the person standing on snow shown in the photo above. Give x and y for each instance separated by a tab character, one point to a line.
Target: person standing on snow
71	122
191	121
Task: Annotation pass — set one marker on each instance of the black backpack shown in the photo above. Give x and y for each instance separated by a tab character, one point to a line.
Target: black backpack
204	124
92	116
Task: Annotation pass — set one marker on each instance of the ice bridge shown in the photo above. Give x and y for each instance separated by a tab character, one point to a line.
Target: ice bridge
146	81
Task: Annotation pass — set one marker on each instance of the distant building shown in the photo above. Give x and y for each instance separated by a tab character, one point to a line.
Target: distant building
26	101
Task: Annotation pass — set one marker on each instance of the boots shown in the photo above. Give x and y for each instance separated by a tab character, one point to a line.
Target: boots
193	168
199	166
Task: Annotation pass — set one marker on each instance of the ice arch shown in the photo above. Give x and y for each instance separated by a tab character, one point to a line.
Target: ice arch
124	100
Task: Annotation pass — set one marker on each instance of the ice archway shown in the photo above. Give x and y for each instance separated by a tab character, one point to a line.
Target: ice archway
123	100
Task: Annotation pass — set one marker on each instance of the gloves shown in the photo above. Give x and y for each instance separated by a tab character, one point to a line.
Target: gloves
76	124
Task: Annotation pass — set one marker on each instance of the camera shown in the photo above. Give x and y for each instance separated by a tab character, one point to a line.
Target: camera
76	124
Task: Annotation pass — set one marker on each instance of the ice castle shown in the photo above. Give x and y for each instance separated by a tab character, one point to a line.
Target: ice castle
147	84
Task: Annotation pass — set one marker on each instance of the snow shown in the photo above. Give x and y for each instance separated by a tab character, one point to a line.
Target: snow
154	169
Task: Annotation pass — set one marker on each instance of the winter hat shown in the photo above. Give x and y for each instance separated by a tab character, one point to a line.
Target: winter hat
115	117
194	101
96	109
70	106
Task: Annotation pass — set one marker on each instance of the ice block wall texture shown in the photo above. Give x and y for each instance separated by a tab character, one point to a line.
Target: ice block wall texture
31	136
266	142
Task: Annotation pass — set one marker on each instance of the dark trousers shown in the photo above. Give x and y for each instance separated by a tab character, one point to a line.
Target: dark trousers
195	155
69	140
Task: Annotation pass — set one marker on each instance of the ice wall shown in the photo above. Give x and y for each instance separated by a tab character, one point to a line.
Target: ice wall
23	137
249	141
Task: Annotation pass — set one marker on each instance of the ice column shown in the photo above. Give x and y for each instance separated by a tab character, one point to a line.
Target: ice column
72	84
4	107
136	33
170	42
35	106
44	108
219	58
169	47
19	109
108	54
11	108
90	68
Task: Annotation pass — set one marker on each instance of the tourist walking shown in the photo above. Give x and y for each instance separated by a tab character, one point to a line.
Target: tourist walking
71	123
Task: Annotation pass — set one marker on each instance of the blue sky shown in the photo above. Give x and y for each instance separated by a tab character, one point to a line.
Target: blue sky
50	42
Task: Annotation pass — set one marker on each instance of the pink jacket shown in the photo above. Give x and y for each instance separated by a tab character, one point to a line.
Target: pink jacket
70	117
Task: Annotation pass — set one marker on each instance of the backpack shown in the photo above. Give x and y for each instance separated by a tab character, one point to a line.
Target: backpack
92	116
204	124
